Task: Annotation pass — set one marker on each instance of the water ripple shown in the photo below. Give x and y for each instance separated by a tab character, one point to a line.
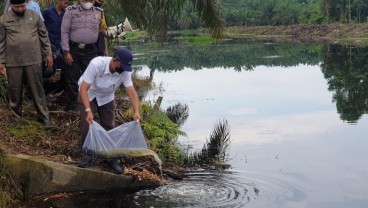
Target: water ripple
197	190
213	189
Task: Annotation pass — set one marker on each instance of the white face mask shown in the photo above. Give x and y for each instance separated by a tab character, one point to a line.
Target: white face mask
87	5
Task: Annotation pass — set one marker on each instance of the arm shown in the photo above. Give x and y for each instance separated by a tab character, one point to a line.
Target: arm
135	102
45	44
65	31
85	100
2	43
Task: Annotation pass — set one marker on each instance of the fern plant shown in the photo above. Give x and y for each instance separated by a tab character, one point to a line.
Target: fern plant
160	132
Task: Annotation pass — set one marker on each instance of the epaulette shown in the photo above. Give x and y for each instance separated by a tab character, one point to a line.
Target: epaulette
99	9
72	7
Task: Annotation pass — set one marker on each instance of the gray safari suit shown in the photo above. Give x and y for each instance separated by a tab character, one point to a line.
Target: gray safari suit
79	34
23	43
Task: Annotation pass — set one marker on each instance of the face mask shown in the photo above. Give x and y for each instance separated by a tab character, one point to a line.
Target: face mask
119	70
87	5
19	14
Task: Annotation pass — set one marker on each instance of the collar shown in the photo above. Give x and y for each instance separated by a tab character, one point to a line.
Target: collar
107	68
81	8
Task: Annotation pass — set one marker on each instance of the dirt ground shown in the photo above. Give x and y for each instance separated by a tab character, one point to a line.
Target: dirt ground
351	34
61	142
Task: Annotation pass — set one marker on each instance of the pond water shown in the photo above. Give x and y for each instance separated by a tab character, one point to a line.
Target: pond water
297	117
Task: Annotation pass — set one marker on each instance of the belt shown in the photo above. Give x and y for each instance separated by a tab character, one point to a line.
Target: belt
82	45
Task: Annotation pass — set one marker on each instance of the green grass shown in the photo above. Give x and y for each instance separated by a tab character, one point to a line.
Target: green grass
188	32
31	132
202	40
135	35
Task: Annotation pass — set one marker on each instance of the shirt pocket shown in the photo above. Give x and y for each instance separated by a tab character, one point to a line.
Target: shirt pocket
77	23
93	23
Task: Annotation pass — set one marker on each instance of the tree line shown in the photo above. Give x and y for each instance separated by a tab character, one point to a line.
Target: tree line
241	55
287	12
159	16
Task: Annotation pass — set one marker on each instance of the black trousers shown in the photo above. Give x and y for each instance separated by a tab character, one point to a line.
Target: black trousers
106	116
81	59
17	76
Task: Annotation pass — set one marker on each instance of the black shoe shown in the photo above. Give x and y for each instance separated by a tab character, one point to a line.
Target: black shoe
45	122
113	165
85	162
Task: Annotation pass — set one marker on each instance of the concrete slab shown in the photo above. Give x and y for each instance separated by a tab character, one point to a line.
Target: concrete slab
38	176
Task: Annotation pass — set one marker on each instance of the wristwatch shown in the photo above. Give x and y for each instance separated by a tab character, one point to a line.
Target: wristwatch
65	52
87	110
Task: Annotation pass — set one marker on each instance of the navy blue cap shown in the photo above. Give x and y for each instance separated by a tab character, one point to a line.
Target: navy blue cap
125	57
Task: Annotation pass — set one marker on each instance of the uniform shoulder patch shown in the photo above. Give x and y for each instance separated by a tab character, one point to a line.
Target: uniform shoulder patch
72	7
99	9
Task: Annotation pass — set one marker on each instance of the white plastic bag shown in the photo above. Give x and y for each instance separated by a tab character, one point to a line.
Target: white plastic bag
124	140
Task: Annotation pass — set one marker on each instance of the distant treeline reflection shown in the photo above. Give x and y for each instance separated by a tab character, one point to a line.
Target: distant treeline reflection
346	71
237	55
344	67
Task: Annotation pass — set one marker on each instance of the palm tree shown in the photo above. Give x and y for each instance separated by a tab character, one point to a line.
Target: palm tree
188	18
2	6
154	15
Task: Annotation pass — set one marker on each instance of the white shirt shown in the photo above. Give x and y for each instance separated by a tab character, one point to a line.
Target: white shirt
103	83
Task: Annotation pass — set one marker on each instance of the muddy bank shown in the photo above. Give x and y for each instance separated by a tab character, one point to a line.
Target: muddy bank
344	34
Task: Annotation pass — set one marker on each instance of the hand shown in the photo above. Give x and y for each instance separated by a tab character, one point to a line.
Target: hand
2	69
49	62
137	117
68	58
54	79
89	117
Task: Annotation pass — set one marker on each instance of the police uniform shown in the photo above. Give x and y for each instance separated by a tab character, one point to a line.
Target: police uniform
79	34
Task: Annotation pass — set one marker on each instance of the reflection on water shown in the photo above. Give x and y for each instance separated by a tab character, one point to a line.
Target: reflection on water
240	55
290	109
198	189
346	70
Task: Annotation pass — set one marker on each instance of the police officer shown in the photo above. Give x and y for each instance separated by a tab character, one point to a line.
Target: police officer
79	34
